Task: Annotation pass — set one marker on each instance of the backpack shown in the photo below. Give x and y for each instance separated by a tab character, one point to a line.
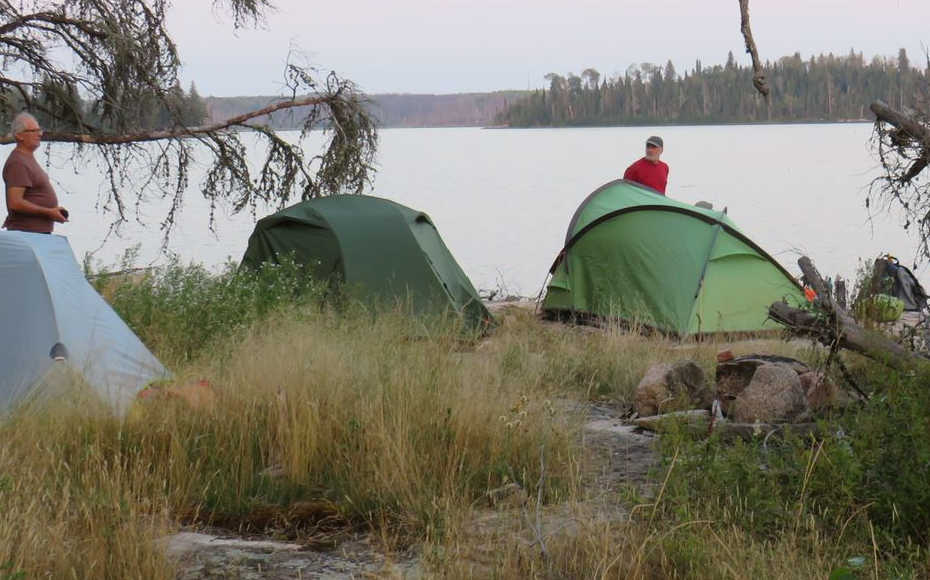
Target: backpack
890	277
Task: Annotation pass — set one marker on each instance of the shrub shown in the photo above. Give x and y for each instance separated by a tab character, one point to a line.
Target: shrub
865	473
180	311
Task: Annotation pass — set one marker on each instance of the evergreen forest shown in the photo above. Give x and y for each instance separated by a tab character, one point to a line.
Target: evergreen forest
822	88
148	111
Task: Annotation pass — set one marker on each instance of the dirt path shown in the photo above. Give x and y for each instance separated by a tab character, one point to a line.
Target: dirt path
620	453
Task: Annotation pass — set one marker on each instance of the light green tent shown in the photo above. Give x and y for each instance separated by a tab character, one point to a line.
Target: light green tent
386	251
635	255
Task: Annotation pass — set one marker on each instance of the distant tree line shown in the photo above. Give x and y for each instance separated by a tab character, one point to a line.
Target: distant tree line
389	110
823	88
149	111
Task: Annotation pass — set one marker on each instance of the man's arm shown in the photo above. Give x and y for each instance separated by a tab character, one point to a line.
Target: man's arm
16	201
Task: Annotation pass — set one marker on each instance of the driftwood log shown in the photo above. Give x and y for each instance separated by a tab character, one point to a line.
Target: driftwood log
699	423
901	121
829	323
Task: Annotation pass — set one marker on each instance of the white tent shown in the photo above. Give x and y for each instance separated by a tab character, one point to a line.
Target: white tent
50	315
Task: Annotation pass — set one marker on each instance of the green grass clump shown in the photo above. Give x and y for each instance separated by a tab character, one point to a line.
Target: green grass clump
180	311
872	461
857	488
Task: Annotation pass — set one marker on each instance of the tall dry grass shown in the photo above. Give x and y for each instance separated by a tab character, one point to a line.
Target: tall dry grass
320	419
374	415
71	504
378	421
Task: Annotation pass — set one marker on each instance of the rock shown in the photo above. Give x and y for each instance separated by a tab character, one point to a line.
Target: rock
652	392
669	387
273	472
725	356
734	376
821	393
688	378
511	494
198	556
774	395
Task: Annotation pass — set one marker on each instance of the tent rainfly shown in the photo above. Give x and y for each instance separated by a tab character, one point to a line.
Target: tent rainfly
50	315
389	252
633	254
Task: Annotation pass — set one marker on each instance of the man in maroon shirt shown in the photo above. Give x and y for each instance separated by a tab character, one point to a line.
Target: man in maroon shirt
31	202
649	171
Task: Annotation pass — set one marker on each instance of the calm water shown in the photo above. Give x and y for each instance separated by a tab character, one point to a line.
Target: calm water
502	199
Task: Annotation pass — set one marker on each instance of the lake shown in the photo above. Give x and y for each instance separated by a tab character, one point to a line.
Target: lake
502	199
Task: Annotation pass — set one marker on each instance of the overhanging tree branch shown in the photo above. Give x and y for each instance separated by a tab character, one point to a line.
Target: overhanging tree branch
174	133
901	141
121	101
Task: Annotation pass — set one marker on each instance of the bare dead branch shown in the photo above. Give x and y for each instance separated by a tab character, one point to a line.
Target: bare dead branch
901	141
758	79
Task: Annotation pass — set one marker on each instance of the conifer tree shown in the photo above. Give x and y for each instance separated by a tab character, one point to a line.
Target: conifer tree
103	73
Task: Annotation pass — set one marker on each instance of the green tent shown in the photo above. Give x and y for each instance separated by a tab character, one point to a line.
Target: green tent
388	252
633	254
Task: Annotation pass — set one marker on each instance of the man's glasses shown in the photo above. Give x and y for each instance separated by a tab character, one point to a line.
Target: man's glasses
31	131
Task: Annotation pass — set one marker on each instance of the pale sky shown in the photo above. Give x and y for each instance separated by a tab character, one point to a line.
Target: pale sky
454	46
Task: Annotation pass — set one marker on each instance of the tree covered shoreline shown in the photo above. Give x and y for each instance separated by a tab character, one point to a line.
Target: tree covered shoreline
825	88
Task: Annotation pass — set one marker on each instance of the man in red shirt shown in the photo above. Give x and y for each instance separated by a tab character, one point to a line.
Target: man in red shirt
649	171
31	202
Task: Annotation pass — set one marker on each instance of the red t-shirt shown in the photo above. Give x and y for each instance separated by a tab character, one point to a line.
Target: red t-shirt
654	175
21	170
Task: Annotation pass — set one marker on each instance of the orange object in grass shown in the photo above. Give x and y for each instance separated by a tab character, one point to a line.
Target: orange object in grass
809	294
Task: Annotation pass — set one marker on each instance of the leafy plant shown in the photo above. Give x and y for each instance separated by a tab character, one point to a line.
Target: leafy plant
7	573
180	311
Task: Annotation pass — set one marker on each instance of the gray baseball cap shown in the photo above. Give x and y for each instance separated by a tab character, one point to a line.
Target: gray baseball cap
657	141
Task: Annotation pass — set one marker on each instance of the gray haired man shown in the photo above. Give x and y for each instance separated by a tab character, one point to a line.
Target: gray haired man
31	202
650	170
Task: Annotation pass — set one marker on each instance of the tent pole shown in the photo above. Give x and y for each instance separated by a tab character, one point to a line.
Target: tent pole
710	252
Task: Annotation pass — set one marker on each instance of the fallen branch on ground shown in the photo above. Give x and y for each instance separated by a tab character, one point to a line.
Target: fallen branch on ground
830	324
